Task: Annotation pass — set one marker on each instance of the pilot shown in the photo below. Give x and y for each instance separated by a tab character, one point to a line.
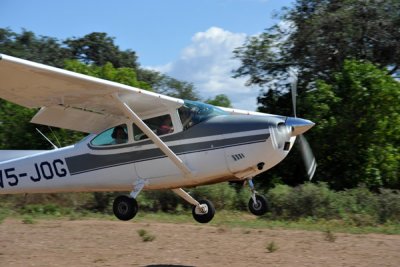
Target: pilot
165	127
119	135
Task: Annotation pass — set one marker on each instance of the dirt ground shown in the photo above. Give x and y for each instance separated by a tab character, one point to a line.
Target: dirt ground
115	243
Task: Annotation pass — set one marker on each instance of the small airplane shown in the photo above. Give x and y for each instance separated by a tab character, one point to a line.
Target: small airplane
139	140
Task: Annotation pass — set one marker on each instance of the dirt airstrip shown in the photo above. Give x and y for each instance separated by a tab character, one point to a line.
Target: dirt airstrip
115	243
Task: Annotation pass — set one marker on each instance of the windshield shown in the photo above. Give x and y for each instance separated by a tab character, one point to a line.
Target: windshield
192	113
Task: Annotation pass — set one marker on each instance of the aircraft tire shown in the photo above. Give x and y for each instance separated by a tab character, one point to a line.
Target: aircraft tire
260	207
204	217
125	208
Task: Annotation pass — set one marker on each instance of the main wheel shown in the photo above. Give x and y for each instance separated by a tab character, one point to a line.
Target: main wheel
125	208
206	215
260	207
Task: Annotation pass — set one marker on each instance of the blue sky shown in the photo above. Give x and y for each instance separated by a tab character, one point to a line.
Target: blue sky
189	40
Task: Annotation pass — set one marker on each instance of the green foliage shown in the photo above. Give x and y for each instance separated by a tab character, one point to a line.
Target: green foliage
356	139
146	236
27	45
329	236
121	75
318	36
354	103
99	49
16	131
15	122
28	220
278	198
223	196
167	85
308	200
272	247
308	206
3	214
358	206
221	100
389	205
158	200
44	209
364	112
357	200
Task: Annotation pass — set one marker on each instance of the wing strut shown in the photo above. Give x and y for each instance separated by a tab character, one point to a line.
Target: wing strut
153	137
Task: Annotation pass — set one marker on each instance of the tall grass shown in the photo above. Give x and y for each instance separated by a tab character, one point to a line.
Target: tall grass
310	201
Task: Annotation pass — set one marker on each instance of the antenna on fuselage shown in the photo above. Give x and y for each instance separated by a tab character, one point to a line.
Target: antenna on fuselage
55	136
47	139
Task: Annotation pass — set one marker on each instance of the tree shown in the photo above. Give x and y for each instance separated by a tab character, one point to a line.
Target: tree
28	46
108	72
317	36
358	131
356	138
167	85
220	100
98	48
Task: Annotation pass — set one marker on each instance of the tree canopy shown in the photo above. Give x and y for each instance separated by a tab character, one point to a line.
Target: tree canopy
97	48
316	37
344	52
220	100
357	137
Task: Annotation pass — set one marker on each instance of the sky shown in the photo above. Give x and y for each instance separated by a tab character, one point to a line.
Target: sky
185	39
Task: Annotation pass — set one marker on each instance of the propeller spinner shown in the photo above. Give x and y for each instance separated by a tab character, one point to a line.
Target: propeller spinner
300	126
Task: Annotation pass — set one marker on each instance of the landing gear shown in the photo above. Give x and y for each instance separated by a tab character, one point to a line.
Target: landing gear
258	204
258	207
203	210
125	208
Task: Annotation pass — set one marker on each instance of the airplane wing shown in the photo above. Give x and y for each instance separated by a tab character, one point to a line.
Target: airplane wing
74	101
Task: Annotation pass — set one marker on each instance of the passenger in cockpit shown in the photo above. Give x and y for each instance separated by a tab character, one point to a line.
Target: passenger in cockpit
119	135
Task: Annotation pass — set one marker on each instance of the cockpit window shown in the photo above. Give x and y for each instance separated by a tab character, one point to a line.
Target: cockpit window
113	136
160	125
192	113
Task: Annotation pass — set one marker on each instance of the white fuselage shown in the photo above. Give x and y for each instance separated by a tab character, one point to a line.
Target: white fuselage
217	157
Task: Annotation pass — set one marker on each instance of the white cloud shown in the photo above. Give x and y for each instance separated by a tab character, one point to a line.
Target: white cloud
208	62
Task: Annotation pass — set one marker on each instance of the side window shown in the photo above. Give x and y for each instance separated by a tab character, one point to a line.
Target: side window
159	125
112	136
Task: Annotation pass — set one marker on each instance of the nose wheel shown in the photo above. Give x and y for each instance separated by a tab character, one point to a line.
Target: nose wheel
258	204
258	207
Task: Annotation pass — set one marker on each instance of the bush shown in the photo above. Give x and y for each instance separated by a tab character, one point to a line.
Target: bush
223	196
307	200
158	200
278	198
389	205
358	206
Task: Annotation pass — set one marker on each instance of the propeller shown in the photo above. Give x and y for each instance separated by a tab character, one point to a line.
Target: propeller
308	157
293	87
299	126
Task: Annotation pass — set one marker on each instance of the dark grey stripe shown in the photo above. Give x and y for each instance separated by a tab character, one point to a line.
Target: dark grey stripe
214	126
89	162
